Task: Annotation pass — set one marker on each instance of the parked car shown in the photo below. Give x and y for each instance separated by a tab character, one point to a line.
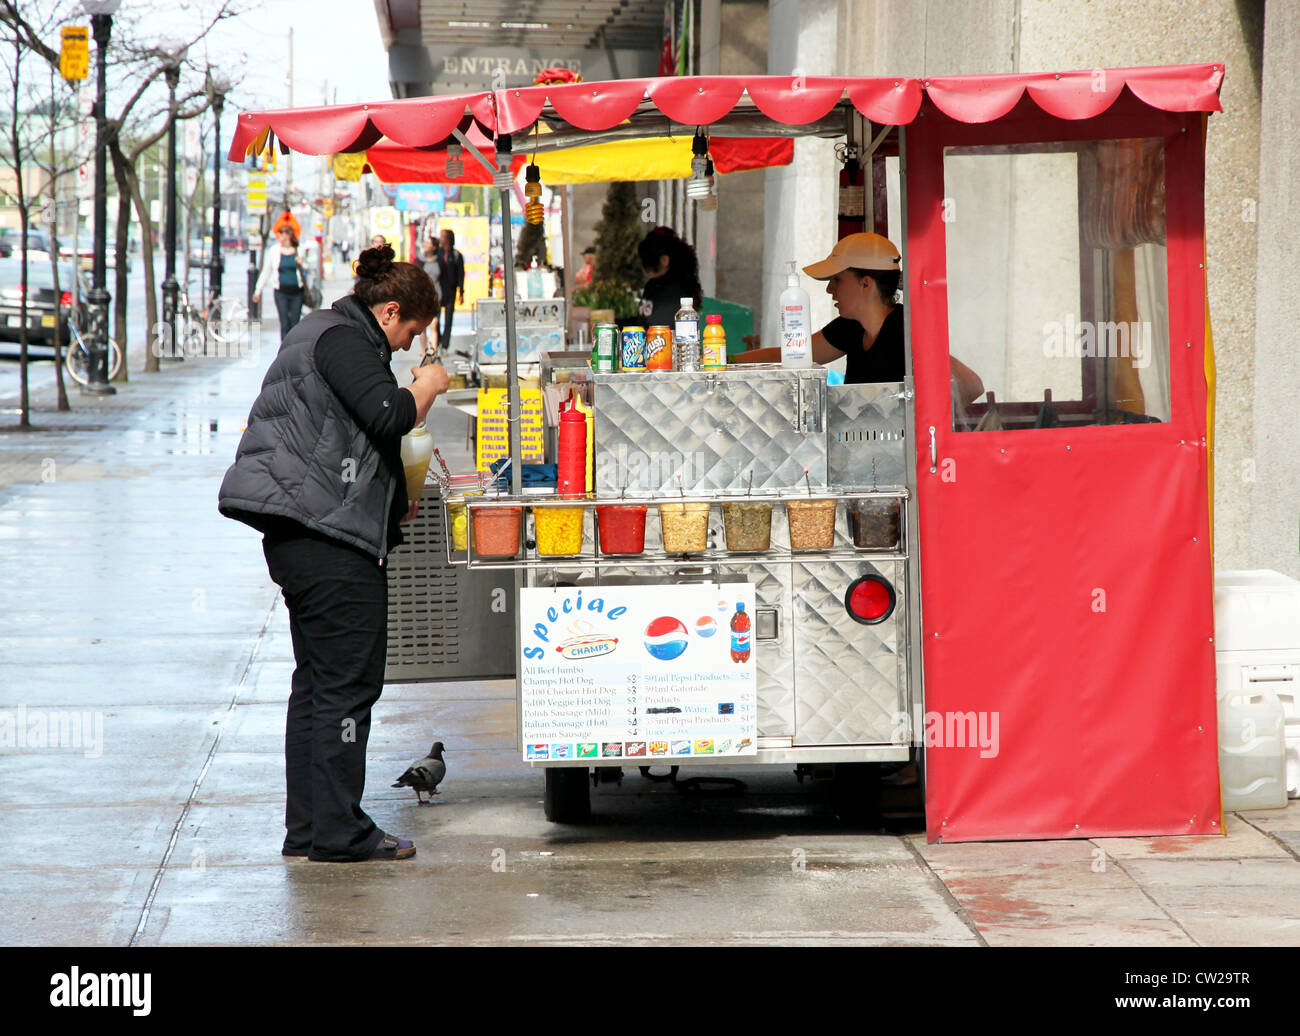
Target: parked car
36	241
86	253
43	309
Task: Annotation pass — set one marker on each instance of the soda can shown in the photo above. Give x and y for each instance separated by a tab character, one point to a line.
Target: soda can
632	354
606	348
659	348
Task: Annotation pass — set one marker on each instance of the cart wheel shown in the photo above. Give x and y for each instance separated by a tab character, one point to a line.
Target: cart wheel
855	794
568	798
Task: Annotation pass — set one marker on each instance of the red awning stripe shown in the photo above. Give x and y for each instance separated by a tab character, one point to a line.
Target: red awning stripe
704	100
695	100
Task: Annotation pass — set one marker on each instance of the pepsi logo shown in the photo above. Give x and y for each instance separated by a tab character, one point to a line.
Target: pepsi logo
666	638
706	626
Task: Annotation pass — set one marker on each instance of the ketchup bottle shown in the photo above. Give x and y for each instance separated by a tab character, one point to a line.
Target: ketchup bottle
571	466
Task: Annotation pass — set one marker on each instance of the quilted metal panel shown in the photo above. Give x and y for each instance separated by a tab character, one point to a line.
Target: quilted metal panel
865	423
712	430
444	622
850	678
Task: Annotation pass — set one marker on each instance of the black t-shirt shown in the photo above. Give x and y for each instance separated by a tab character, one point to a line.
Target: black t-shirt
884	361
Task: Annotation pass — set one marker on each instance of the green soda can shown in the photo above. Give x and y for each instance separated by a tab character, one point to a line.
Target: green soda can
602	355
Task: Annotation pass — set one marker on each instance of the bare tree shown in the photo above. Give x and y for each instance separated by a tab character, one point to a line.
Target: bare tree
139	67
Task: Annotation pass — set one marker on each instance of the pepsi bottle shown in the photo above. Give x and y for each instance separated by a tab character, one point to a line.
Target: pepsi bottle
740	634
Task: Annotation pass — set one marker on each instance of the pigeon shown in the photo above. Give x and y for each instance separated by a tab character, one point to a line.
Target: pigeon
425	774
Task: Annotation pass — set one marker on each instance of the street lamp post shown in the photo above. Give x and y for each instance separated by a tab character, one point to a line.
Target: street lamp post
218	85
101	21
171	289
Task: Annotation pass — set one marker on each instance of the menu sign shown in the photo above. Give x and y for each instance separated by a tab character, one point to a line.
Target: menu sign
638	673
494	426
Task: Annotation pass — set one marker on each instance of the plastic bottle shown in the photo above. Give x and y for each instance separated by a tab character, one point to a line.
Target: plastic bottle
417	450
686	338
571	453
796	332
740	634
534	280
714	352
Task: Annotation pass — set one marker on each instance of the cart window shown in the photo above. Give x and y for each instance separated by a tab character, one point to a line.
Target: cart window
1058	302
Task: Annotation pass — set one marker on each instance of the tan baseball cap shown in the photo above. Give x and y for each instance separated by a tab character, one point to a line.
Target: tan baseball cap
858	251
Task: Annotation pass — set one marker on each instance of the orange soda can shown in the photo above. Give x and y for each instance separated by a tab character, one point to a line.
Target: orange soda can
659	348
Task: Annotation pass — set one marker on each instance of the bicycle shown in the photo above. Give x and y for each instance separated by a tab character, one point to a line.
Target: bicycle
224	321
77	359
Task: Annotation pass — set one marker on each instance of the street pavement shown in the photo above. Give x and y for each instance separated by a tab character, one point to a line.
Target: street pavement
145	663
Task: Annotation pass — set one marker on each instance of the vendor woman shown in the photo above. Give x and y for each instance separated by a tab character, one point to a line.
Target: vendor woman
862	275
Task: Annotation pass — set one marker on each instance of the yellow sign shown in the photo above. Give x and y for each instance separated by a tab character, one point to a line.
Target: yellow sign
472	237
257	194
494	428
74	55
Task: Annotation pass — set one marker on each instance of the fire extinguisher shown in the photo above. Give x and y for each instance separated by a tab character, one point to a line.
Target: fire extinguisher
853	197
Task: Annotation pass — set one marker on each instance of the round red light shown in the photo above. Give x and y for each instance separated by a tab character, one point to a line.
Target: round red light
870	600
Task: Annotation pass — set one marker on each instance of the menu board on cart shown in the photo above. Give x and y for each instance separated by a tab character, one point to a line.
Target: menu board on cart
494	426
637	673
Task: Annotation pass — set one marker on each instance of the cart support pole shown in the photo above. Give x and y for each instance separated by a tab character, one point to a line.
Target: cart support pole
504	181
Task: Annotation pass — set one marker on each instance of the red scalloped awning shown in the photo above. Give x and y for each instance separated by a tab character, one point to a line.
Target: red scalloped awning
705	100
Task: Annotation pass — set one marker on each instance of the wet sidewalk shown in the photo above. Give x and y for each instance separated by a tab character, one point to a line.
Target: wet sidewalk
145	662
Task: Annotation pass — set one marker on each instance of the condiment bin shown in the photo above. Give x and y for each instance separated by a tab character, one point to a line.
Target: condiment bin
496	531
875	522
459	526
622	528
748	526
559	530
685	527
812	524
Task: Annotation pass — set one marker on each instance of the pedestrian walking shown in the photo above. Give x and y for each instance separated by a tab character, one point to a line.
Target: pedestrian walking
433	268
452	273
284	266
319	473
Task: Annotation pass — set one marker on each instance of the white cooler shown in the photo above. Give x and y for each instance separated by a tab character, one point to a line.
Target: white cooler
1257	642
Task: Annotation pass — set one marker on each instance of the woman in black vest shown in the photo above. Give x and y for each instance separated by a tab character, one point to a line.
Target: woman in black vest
283	266
319	473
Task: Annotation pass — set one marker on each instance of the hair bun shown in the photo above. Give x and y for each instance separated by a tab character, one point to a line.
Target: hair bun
373	263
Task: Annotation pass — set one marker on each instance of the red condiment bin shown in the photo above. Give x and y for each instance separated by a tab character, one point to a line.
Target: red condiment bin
622	528
496	531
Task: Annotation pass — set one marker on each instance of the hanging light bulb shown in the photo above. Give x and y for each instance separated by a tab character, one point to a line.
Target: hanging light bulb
710	201
455	167
534	212
697	186
504	177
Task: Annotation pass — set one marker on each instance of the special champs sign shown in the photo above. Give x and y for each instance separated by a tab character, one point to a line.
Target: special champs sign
638	673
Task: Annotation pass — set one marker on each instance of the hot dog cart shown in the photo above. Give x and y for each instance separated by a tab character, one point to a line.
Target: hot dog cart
1014	591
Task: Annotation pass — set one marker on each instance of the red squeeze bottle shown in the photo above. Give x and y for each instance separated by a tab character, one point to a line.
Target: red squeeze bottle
571	467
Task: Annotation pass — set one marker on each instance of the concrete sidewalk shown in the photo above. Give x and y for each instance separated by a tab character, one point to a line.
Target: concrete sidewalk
145	662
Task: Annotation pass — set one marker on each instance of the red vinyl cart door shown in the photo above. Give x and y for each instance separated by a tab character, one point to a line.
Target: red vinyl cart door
1066	579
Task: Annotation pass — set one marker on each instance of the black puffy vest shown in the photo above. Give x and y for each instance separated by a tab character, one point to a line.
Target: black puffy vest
303	457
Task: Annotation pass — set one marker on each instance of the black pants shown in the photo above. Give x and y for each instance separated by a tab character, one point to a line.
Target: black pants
289	305
338	617
445	319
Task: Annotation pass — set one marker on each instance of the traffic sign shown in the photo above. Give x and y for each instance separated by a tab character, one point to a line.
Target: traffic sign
74	55
257	194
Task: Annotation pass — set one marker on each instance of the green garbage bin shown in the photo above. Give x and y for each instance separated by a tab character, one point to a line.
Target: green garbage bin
737	322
